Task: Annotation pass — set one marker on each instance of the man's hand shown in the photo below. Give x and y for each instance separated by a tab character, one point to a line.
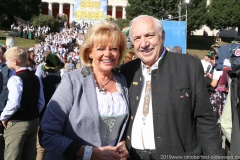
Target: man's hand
209	75
4	124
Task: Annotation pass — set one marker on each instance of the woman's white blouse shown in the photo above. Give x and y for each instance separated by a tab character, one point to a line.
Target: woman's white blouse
111	104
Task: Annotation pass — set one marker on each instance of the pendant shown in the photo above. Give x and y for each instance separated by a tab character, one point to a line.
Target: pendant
102	89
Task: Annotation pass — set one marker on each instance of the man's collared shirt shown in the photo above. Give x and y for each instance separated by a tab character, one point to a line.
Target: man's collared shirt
142	130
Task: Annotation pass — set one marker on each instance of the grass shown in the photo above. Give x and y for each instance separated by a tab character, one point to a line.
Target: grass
22	42
197	46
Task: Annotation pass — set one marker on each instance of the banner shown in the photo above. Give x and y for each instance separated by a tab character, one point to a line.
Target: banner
175	34
89	10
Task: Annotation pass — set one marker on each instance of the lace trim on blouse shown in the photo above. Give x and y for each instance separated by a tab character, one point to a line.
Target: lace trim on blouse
111	104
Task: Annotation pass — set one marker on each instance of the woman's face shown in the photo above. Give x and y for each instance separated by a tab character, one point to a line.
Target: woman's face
32	56
105	57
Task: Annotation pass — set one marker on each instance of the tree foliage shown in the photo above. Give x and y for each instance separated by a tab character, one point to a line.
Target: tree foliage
223	14
197	14
122	23
157	8
46	20
197	10
23	9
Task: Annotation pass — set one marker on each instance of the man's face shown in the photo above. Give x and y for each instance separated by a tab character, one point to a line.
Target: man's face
146	39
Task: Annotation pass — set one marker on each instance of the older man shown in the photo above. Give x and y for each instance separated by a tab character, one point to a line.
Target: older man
170	110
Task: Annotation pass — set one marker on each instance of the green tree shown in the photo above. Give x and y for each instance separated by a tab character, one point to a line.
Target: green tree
23	9
223	14
157	8
171	7
46	20
122	23
197	14
197	10
138	7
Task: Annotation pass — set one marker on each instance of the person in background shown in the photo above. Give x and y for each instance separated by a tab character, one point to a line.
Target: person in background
52	66
31	64
39	72
71	65
129	56
20	115
6	74
230	119
218	38
67	66
87	115
219	83
168	48
206	64
177	49
170	109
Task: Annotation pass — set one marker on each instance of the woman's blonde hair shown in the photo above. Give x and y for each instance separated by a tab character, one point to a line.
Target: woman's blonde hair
101	34
17	53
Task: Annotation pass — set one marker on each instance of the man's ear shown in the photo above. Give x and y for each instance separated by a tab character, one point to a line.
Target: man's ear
163	35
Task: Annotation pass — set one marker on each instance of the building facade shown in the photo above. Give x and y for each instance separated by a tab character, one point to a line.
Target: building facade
115	8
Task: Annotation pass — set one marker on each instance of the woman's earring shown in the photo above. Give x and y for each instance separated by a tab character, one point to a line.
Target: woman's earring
90	56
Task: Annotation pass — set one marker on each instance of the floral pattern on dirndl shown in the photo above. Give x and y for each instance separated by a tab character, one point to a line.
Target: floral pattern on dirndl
218	100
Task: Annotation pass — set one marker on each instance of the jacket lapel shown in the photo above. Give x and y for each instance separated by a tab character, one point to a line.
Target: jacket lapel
136	88
90	92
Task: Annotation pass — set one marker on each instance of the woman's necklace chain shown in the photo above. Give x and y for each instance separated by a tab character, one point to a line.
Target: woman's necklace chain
101	87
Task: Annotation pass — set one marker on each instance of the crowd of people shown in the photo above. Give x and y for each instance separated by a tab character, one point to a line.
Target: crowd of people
29	31
157	104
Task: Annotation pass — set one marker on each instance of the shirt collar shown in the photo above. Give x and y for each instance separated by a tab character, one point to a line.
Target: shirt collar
155	65
22	69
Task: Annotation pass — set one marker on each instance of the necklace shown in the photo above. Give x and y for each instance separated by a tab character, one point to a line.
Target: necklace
101	87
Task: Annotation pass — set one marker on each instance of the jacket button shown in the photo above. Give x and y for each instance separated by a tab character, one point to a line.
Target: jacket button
137	98
128	137
131	118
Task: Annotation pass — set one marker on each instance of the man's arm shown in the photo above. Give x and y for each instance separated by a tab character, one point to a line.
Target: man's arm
39	71
206	122
41	100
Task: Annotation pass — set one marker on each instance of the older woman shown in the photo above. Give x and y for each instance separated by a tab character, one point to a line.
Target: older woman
87	115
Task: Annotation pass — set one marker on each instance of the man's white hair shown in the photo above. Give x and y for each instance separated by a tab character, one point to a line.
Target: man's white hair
157	22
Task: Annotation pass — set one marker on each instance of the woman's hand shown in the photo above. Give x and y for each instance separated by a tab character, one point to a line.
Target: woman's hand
122	150
106	153
124	154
